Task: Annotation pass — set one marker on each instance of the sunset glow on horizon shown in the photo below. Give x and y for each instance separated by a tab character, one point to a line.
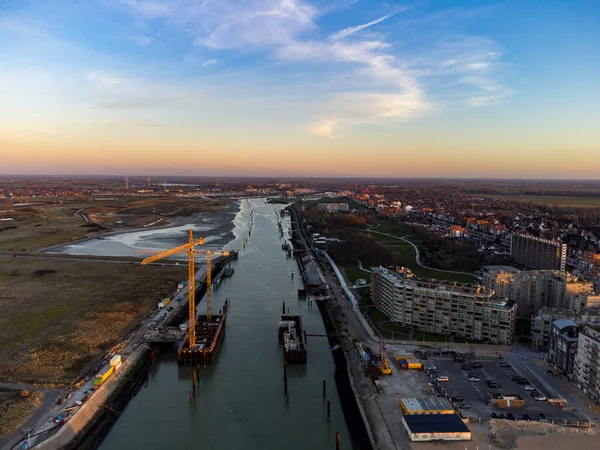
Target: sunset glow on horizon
301	88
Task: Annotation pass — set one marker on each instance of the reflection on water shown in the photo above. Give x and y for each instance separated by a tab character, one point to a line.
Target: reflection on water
221	230
239	402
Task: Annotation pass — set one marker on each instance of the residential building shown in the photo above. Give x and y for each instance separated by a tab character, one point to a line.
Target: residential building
589	260
586	374
541	323
468	311
527	288
562	346
329	207
534	252
532	290
564	288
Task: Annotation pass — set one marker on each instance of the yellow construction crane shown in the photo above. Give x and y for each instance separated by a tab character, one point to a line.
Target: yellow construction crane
209	254
189	248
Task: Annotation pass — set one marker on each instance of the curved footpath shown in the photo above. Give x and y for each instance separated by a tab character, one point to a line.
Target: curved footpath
418	254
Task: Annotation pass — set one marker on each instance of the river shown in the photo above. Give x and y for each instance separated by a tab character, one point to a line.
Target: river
240	401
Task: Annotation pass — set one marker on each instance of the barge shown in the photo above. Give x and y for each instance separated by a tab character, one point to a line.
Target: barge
209	334
292	335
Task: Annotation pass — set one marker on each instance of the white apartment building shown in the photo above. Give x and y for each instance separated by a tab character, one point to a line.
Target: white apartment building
586	374
468	311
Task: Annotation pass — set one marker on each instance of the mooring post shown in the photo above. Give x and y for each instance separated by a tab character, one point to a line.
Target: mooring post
190	398
324	388
283	308
337	441
328	410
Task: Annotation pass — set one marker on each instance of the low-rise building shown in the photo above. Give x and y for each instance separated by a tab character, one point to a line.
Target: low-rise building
562	346
586	373
468	311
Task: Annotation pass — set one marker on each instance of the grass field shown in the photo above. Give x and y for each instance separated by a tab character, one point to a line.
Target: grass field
554	200
15	409
407	255
53	325
354	273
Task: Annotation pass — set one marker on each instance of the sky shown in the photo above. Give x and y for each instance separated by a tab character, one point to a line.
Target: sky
301	88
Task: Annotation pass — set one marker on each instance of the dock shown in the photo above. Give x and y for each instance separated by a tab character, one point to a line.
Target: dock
209	334
292	335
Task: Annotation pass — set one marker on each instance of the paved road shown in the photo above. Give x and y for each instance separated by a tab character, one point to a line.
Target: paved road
526	362
10	440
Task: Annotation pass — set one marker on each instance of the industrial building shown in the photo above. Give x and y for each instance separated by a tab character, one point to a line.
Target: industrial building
426	406
447	427
586	372
562	346
440	307
533	252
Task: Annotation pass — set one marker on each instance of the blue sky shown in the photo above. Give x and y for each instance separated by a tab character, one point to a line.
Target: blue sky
339	87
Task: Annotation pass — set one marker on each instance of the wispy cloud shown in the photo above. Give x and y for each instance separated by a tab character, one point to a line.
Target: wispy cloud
209	62
351	30
103	79
381	85
143	40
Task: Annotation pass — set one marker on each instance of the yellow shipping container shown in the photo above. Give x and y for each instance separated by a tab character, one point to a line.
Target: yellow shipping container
102	376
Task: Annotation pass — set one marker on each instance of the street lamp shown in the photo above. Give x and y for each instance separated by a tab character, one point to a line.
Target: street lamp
28	432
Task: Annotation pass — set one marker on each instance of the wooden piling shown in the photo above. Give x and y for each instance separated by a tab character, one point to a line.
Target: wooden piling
190	398
328	410
324	388
337	441
283	308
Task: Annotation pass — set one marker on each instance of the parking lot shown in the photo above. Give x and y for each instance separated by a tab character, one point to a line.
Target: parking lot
489	377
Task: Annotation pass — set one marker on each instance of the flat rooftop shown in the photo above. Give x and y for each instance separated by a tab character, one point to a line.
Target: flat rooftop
412	405
448	423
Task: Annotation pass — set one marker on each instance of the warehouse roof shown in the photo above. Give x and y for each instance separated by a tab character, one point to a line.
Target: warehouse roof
424	404
447	423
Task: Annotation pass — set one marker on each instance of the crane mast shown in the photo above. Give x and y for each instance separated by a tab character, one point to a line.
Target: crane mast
189	248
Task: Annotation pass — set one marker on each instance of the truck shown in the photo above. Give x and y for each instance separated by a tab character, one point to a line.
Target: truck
181	285
164	303
178	298
115	360
103	375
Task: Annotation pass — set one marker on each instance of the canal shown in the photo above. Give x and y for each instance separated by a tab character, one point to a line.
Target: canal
240	401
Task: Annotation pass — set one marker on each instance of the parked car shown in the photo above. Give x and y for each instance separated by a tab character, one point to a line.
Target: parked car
501	416
549	372
534	394
494	416
443	378
476	365
457	398
510	416
465	367
525	417
504	364
465	406
542	417
540	398
474	379
528	388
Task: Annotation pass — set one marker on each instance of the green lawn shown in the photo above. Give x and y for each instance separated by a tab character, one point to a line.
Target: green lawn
407	257
354	273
